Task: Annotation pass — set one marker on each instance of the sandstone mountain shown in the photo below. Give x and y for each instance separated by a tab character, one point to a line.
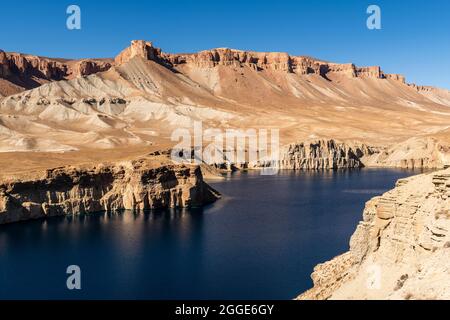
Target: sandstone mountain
140	97
401	249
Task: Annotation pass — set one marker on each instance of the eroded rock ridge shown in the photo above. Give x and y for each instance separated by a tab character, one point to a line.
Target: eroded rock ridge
135	185
400	250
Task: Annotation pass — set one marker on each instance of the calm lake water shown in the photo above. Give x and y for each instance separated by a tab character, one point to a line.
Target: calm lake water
260	241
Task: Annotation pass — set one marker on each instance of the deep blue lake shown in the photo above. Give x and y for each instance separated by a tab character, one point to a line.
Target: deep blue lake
260	241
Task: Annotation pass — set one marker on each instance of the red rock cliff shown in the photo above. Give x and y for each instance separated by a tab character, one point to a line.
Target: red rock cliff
277	61
29	71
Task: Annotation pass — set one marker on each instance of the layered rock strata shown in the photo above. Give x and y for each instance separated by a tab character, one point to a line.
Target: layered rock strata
401	249
310	155
29	71
414	153
136	185
277	61
321	154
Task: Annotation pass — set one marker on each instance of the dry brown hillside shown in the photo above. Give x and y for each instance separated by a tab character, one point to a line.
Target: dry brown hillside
137	100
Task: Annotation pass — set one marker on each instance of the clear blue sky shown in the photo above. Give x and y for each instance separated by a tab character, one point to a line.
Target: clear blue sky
414	40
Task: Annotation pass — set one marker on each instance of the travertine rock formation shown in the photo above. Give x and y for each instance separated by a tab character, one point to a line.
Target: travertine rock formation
401	249
322	154
414	153
136	185
309	155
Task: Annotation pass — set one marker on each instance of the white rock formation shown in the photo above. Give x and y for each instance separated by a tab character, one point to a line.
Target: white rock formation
136	185
401	249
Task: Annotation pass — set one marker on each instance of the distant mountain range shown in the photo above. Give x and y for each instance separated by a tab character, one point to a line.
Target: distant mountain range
143	94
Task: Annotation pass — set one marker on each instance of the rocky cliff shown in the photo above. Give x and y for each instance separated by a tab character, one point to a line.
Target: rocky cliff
321	154
277	61
148	94
136	185
401	249
29	71
414	153
309	155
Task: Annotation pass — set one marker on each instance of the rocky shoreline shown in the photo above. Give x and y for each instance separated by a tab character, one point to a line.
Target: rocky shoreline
144	184
136	185
415	153
401	249
326	154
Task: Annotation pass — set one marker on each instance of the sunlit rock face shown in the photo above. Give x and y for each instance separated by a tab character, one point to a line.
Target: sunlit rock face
24	71
135	185
400	250
321	154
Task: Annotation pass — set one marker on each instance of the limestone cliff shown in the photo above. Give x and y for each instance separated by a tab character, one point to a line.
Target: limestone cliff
401	249
321	154
135	185
414	153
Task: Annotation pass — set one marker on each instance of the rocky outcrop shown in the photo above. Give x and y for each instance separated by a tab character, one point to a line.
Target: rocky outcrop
28	71
310	155
305	98
396	77
4	68
439	95
275	61
401	249
136	185
321	154
138	48
86	67
236	58
414	153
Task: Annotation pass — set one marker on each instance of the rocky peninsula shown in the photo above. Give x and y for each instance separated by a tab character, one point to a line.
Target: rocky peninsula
142	184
